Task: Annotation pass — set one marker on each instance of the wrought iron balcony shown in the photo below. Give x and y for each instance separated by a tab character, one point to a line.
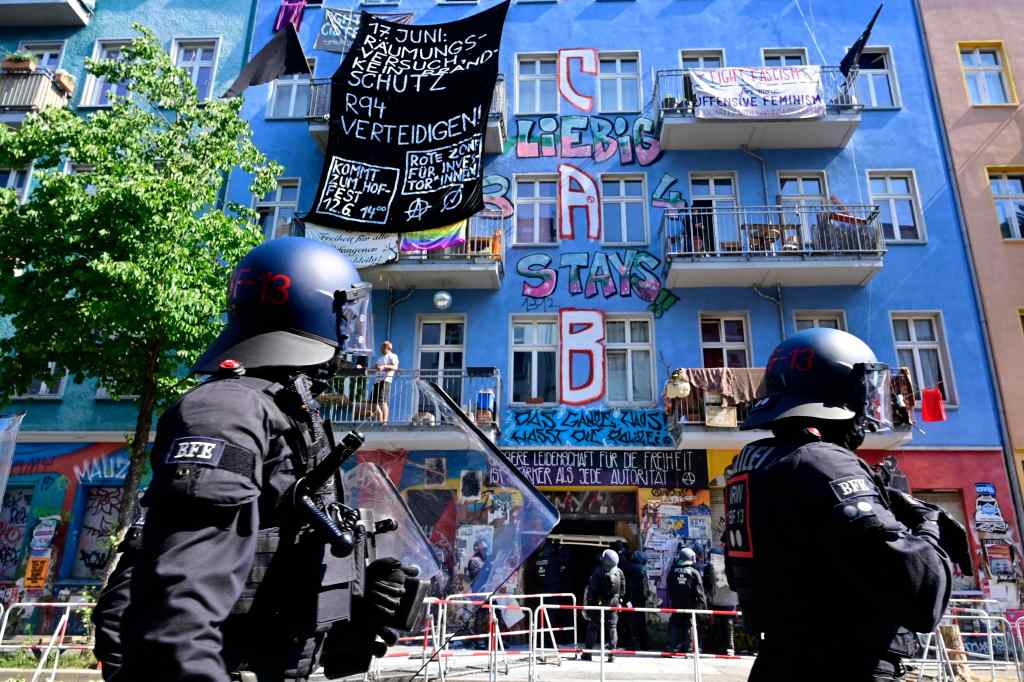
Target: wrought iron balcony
320	112
46	12
477	263
679	127
787	244
358	399
25	92
708	418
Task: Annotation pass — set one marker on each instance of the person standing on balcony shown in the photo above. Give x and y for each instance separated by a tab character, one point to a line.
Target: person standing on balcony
387	365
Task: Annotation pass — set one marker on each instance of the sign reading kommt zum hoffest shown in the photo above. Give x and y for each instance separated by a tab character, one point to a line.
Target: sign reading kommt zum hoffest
409	109
640	468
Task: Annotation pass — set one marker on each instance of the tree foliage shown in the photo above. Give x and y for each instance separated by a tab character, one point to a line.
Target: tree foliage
116	266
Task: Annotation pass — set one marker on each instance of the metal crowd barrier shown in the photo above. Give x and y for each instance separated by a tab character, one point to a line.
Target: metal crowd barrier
56	643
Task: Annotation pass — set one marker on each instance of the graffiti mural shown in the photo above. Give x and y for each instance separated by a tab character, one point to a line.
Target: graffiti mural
610	273
14	516
94	541
567	426
596	138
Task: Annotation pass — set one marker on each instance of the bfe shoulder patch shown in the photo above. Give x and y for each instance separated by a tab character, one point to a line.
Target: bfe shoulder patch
857	485
196	450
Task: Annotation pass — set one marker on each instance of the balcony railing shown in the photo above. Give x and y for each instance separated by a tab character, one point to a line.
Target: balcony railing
485	241
675	97
359	398
29	91
320	100
781	231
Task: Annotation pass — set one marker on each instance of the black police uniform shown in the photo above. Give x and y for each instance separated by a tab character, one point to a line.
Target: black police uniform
224	580
821	565
607	586
685	591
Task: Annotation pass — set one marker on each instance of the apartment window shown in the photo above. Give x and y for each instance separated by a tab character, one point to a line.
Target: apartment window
198	58
536	88
277	208
984	69
48	55
624	209
14	518
16	179
619	87
99	92
536	209
535	360
803	191
876	79
1008	193
896	196
629	366
290	98
723	341
784	57
702	59
440	352
829	319
715	223
921	347
49	386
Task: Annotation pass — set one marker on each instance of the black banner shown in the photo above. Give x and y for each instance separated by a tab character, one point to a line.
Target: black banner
640	468
409	108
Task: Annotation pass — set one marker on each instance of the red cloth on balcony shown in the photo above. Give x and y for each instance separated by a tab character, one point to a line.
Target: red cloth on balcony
932	407
290	12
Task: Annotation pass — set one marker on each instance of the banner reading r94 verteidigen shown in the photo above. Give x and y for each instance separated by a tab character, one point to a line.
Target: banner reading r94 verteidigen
409	110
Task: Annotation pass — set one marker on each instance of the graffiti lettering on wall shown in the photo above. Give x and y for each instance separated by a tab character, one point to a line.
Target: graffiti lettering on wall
610	273
14	516
105	467
588	137
102	505
642	468
566	426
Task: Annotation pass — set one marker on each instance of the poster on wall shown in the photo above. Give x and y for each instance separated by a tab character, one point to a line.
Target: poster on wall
988	518
36	571
777	92
364	249
409	109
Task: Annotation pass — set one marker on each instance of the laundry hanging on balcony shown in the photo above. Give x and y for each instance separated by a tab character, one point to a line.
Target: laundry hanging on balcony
760	93
409	110
290	12
339	27
439	238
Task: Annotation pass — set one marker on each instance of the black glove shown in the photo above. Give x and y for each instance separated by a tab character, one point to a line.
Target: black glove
920	517
385	585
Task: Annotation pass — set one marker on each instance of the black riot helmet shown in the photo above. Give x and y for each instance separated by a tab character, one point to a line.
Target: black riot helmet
292	302
823	374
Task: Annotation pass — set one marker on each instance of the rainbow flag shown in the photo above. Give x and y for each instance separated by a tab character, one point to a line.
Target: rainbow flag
438	238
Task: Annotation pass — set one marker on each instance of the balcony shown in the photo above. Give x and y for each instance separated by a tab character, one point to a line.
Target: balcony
26	92
681	129
320	114
477	263
19	13
788	245
709	417
414	422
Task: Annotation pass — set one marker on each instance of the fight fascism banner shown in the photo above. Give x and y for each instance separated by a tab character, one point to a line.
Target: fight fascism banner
409	109
767	92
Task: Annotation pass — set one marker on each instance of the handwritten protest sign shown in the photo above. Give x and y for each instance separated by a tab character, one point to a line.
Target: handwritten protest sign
409	108
363	249
766	93
339	27
641	468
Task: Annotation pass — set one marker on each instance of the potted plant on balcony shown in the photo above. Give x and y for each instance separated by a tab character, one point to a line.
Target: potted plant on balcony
19	61
65	81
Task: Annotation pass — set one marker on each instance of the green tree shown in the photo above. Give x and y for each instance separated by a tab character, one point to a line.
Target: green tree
117	264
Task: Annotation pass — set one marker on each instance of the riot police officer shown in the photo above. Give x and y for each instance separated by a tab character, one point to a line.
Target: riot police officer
685	591
228	582
875	565
607	587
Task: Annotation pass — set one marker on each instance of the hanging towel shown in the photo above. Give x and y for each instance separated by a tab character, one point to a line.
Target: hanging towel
289	12
932	407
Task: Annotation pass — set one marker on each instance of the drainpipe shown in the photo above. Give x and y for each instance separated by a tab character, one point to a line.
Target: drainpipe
392	304
1008	454
764	172
222	196
777	300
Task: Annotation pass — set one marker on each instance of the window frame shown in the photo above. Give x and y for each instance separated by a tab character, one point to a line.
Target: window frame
630	346
55	395
702	52
533	177
292	80
74	538
180	43
722	317
34	45
534	77
1004	172
817	315
441	348
619	77
92	83
915	196
532	348
1005	71
894	83
259	202
784	52
622	200
23	195
942	346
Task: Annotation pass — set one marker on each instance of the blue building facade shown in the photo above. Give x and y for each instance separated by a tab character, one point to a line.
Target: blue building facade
631	231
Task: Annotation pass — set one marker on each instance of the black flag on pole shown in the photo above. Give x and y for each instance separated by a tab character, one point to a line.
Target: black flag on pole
409	109
282	56
853	54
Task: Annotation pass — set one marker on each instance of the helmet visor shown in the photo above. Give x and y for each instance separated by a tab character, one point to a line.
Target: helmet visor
355	319
873	391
